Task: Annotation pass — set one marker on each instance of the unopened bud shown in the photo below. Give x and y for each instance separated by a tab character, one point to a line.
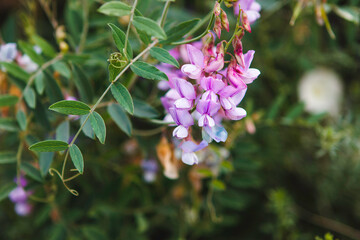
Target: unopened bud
245	22
217	9
230	3
64	47
60	33
217	27
208	43
224	20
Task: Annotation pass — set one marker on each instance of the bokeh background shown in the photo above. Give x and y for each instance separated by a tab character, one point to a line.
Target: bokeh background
289	170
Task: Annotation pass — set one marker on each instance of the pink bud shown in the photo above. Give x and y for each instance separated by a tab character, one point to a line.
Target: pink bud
208	44
245	22
217	27
238	49
217	9
224	20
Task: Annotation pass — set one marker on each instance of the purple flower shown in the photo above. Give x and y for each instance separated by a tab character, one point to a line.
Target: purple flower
217	133
18	195
23	208
251	7
8	52
150	168
195	69
186	92
240	76
230	97
183	119
188	151
215	63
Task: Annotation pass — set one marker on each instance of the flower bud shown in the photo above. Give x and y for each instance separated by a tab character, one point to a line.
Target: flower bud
245	22
217	27
217	9
64	47
60	33
208	44
224	20
238	49
230	3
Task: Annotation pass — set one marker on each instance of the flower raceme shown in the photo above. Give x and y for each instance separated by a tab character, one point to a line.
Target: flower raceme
205	92
209	99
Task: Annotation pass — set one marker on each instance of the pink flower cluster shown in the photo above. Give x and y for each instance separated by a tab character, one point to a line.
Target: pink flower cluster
205	90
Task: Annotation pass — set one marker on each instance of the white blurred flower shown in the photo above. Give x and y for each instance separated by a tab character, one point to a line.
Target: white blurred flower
321	90
27	64
8	52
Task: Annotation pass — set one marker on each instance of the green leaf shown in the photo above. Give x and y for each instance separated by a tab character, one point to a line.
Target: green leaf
275	108
31	171
28	49
40	83
16	71
77	158
113	72
63	131
163	56
316	118
8	124
21	119
5	190
119	39
218	185
83	84
115	8
148	71
144	110
63	69
98	125
8	100
149	26
76	58
7	157
120	118
123	97
294	112
46	47
52	89
45	160
87	129
49	146
30	97
177	32
70	107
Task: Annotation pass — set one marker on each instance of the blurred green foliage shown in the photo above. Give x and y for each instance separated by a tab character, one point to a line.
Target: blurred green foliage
296	177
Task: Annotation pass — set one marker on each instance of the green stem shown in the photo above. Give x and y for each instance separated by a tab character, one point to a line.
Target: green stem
164	14
85	26
129	25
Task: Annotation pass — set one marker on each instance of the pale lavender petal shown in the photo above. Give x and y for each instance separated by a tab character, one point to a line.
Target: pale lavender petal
227	103
183	103
238	96
189	158
18	195
163	85
191	71
185	88
196	57
252	16
180	132
227	91
250	75
8	52
236	113
248	57
190	146
23	209
218	133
